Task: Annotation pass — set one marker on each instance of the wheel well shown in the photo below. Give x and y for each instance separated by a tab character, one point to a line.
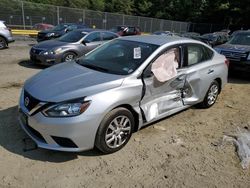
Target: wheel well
219	82
71	52
135	114
4	39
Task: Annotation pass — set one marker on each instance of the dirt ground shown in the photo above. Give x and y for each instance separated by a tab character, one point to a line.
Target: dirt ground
180	151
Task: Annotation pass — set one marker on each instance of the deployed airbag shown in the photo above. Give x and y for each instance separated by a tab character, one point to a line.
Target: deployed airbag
164	67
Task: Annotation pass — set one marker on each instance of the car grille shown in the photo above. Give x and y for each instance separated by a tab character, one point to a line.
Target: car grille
29	101
236	56
41	35
36	50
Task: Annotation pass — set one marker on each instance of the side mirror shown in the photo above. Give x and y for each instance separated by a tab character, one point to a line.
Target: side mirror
84	42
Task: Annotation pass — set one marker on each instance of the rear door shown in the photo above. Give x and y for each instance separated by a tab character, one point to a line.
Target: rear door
199	71
106	36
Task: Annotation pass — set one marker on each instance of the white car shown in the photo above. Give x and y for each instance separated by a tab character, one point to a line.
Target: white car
5	35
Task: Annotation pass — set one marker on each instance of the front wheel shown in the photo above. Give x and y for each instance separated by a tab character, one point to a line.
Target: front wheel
69	56
211	96
115	130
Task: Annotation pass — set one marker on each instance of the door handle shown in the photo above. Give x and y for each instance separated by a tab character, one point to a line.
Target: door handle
210	71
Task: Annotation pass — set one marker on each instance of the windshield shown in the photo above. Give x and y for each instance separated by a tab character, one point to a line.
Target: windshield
60	27
241	39
120	57
73	36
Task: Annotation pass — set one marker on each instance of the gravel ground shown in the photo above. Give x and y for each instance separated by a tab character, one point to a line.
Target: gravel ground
180	151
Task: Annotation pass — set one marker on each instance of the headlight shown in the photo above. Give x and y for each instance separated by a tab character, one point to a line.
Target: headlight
58	50
248	57
67	109
47	52
50	34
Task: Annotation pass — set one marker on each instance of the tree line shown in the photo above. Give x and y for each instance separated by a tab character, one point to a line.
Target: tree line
226	12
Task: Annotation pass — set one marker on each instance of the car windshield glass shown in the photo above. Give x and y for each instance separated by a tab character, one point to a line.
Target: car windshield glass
59	27
241	39
120	57
73	36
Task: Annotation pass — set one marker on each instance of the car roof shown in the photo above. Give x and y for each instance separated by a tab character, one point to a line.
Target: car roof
156	39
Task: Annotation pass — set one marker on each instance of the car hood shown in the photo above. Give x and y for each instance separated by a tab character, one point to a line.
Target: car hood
50	44
68	81
234	47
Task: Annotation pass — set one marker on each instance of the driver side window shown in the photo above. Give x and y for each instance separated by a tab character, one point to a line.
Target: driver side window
93	37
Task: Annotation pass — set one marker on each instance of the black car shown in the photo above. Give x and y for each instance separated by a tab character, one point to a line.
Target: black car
214	39
237	50
58	31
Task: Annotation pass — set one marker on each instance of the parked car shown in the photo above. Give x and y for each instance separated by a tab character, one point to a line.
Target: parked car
42	26
191	35
214	39
123	30
101	98
5	35
69	46
237	50
58	31
163	33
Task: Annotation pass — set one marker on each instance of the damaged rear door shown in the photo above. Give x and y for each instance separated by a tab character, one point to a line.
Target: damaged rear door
199	71
162	98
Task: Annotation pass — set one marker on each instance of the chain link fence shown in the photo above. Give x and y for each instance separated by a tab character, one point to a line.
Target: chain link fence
24	15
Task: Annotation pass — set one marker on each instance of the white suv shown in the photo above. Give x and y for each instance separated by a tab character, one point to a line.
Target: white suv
5	35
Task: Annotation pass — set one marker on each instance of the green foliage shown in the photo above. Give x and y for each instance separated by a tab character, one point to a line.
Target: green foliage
206	11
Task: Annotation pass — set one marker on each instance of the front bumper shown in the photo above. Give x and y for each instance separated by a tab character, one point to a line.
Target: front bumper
50	133
10	39
47	60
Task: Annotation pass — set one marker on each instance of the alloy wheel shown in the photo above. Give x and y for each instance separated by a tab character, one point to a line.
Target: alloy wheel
212	94
118	131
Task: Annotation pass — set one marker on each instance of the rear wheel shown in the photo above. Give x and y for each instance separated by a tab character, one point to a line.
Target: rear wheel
69	56
3	43
115	130
211	96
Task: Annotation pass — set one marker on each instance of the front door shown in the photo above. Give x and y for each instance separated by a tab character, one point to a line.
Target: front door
162	97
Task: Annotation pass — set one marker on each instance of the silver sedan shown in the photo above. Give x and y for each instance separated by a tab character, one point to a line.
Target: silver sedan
116	89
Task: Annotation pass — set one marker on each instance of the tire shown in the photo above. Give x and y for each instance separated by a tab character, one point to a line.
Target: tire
68	56
115	130
211	96
3	43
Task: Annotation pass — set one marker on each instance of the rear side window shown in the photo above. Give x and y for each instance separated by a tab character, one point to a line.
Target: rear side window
92	37
197	53
108	36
